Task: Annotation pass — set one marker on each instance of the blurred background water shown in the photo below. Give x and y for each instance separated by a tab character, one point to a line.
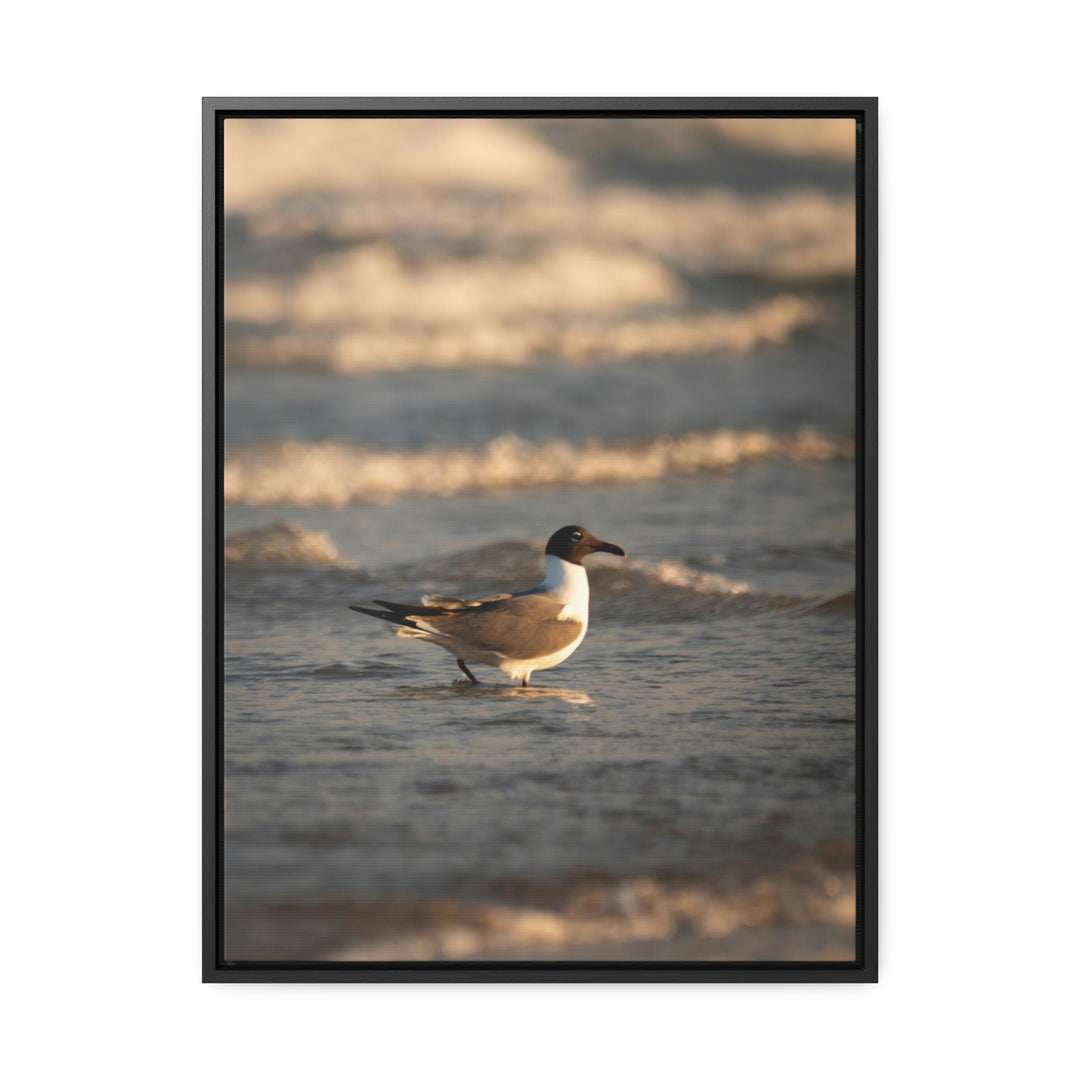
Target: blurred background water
446	339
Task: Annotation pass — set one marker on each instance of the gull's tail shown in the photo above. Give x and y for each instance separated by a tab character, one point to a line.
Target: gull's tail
396	613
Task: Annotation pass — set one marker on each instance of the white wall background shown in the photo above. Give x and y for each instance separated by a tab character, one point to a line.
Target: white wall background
100	436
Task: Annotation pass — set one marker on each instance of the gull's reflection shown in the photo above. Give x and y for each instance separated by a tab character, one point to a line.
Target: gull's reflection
533	694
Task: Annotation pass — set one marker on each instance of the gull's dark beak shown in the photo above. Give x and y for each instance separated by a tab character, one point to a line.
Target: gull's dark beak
612	549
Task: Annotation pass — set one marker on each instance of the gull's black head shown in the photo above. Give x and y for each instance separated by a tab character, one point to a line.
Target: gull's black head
574	542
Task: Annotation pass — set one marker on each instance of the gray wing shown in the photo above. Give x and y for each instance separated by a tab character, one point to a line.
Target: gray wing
449	603
430	605
519	627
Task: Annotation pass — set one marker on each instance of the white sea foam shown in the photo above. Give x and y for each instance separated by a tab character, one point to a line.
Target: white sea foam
268	158
364	244
373	284
332	473
675	573
634	910
790	235
501	342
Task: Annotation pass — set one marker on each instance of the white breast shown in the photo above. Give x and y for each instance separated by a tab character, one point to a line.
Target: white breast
566	582
569	583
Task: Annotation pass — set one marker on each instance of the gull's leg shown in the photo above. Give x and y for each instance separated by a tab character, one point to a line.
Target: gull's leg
472	678
525	681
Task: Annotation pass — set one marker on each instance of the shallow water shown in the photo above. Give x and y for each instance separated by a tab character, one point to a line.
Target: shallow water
683	785
705	726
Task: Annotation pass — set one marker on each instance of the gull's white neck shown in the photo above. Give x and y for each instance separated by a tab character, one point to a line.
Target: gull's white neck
570	584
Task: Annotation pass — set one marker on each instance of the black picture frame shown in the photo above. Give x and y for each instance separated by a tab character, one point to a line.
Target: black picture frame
865	967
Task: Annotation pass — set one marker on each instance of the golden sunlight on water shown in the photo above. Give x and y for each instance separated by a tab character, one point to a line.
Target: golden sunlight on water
445	339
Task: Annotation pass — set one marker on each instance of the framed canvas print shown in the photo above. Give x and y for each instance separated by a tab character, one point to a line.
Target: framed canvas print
540	550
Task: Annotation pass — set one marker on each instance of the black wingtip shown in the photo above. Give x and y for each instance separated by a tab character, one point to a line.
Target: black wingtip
367	611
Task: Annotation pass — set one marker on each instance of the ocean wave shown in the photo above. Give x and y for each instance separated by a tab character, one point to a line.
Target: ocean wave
356	245
510	343
599	914
282	544
268	158
675	573
334	473
842	604
670	591
372	283
629	143
822	137
801	235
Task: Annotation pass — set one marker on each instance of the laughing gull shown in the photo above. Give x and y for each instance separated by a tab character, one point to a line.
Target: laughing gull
518	633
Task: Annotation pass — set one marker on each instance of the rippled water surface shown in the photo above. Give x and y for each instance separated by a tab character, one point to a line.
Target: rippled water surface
426	380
